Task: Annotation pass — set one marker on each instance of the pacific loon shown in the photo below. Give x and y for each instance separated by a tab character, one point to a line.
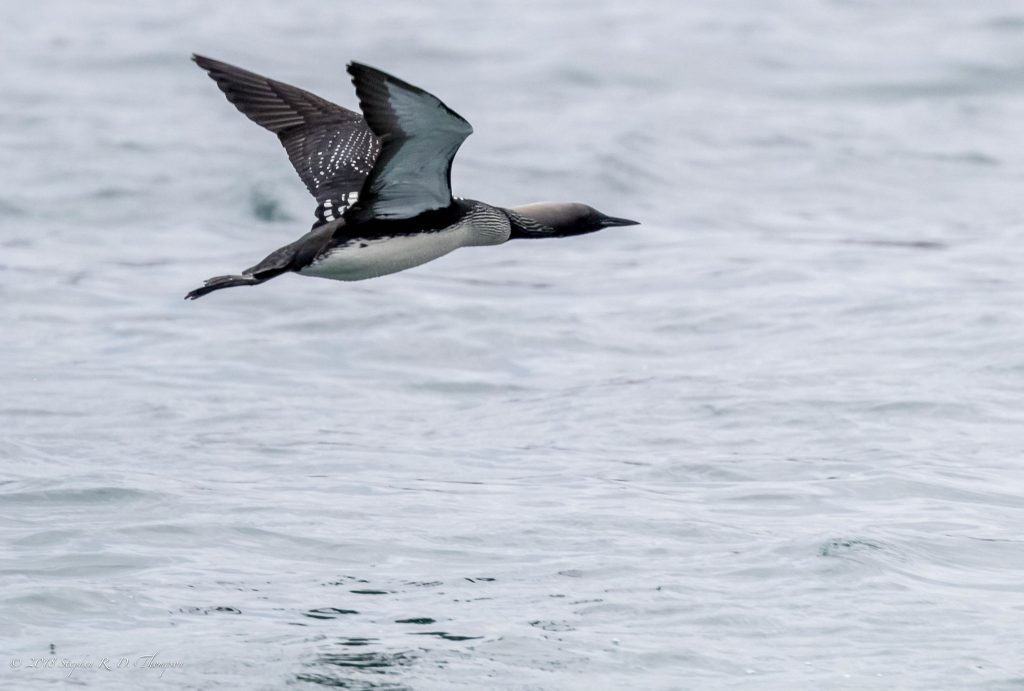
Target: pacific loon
382	181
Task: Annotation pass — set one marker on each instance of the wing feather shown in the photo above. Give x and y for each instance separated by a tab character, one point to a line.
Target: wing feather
419	137
331	147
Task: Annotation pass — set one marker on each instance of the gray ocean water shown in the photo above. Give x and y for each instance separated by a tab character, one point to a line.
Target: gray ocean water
770	439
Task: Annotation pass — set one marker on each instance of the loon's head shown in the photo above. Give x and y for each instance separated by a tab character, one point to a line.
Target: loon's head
559	220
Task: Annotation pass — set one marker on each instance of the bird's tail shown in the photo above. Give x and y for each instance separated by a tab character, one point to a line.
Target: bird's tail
218	282
282	260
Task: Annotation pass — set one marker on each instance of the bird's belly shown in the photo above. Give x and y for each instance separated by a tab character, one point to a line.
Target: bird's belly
361	259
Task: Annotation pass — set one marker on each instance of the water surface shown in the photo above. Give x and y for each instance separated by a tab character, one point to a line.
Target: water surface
769	439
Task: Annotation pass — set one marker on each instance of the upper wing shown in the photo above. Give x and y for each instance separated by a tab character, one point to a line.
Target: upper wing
419	136
331	148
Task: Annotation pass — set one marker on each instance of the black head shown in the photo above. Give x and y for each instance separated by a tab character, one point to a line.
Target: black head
559	220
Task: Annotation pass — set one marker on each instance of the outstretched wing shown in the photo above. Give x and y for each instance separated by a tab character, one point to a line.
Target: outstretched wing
419	136
331	148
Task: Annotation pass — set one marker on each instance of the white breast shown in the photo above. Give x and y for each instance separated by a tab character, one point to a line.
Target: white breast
362	259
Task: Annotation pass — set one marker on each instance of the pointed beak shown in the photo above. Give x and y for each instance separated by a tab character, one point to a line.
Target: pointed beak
610	221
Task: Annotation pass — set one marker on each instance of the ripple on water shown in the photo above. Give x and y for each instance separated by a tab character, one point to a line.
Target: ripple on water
328	613
265	206
359	670
91	496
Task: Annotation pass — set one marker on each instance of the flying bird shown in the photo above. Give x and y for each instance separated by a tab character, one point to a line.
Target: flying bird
382	180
